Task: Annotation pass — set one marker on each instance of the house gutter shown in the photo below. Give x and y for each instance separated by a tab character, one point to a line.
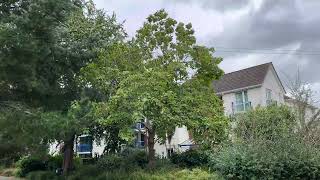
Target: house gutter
239	89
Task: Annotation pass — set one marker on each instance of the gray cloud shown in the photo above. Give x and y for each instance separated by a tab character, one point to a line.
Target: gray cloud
278	25
218	4
260	29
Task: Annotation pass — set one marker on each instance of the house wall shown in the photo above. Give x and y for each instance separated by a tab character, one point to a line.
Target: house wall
180	135
97	147
257	96
271	82
254	96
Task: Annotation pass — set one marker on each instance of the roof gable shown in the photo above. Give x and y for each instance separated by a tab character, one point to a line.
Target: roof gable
250	77
279	82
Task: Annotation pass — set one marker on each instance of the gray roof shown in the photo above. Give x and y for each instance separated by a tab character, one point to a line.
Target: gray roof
253	76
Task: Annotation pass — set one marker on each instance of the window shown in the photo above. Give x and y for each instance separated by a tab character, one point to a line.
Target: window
170	152
242	102
85	144
140	140
268	97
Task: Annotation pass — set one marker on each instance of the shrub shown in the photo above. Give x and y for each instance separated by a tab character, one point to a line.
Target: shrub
110	162
271	123
54	162
135	156
164	164
266	145
77	162
42	175
191	158
28	164
262	161
129	159
85	172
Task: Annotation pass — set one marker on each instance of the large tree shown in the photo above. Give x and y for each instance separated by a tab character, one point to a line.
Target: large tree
44	44
163	78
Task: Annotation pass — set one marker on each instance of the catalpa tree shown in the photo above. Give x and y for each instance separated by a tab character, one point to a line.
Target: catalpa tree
163	78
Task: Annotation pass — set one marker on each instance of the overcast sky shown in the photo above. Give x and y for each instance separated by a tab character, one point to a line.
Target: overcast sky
244	32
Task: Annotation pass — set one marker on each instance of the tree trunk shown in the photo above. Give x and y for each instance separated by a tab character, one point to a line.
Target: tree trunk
68	155
151	151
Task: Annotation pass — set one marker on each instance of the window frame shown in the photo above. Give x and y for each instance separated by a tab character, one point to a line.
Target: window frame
243	97
268	96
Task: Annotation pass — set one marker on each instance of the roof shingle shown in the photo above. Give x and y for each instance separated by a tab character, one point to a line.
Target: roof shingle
252	76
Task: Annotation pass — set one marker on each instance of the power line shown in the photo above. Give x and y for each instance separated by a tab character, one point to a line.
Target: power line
266	49
270	52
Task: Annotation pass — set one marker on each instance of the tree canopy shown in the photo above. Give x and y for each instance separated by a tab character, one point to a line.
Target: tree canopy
44	44
163	78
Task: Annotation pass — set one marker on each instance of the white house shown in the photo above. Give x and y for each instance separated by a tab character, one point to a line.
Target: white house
248	88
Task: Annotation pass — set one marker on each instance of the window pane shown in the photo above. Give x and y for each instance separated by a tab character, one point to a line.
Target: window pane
246	96
268	94
239	99
240	107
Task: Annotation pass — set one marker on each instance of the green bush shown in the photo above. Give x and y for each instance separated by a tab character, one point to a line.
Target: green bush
85	172
136	157
54	162
110	162
28	164
191	158
42	175
271	123
266	145
77	162
129	159
286	159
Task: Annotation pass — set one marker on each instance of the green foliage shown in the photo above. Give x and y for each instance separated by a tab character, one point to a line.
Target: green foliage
77	162
286	160
265	124
148	79
29	164
85	172
128	160
147	175
44	44
136	156
54	162
179	174
43	175
111	162
191	159
18	136
266	146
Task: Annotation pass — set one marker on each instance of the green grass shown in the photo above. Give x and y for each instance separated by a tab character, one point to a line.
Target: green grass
141	174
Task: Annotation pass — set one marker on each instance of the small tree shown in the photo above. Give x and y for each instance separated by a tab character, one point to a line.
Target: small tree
302	99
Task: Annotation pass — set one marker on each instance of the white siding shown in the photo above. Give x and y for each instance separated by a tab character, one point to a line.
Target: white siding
181	134
227	102
254	96
257	96
98	147
271	82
